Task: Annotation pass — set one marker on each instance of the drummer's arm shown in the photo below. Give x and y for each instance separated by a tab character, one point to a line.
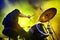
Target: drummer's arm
22	15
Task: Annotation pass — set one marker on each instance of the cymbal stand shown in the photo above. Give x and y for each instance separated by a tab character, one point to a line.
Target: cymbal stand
50	30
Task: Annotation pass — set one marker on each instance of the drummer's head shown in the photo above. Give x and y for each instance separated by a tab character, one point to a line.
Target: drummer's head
17	11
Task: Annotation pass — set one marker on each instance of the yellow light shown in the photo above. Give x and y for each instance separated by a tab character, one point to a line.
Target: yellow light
55	21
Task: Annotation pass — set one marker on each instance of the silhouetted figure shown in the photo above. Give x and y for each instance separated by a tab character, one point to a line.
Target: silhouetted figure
11	27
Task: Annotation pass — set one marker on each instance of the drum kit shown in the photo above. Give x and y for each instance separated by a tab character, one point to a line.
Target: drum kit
46	16
36	30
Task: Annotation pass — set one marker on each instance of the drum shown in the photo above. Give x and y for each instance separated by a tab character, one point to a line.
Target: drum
37	32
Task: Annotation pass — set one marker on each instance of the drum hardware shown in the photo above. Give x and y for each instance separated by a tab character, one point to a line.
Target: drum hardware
46	17
51	31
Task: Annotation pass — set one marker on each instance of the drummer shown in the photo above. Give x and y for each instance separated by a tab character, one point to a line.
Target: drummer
11	26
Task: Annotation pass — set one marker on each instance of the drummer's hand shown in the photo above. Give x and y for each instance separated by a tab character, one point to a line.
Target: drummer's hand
28	16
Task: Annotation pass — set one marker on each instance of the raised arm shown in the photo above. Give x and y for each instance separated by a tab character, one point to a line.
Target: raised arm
22	15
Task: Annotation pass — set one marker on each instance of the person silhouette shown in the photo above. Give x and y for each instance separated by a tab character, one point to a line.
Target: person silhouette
11	27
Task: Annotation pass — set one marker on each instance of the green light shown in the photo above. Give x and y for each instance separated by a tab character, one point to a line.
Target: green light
26	9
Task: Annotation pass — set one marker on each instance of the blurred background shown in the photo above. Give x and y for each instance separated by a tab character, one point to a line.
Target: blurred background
33	8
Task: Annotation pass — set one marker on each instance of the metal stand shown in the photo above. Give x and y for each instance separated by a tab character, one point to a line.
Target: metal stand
51	31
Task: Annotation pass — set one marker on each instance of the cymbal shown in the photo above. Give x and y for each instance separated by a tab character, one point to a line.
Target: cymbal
48	15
